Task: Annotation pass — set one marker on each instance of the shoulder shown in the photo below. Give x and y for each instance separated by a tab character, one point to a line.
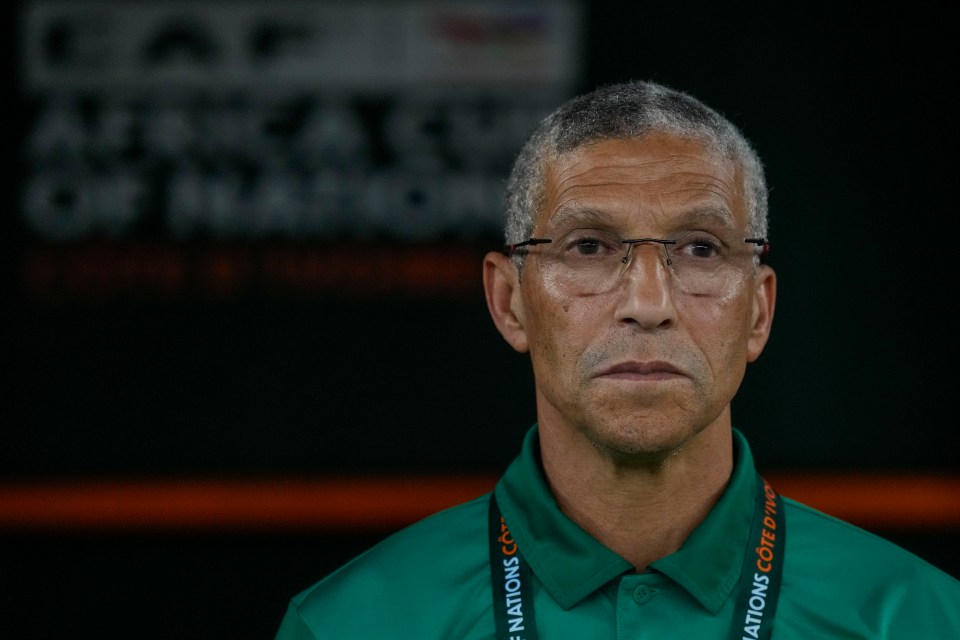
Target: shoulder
441	561
837	571
813	534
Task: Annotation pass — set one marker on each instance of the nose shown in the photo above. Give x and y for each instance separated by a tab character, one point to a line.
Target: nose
644	295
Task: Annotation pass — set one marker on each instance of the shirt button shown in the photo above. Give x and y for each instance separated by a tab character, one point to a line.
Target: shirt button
643	593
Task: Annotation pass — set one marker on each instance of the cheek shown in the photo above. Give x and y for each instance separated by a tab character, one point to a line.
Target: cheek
558	333
731	313
718	317
723	329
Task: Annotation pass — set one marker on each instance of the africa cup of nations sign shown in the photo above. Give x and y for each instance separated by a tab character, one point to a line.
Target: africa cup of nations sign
215	147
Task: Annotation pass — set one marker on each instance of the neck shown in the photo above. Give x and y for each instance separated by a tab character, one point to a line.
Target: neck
641	509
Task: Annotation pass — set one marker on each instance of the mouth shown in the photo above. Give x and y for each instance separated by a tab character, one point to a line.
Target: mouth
641	370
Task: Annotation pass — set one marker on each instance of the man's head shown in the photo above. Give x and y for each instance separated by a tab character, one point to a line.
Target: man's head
642	299
623	111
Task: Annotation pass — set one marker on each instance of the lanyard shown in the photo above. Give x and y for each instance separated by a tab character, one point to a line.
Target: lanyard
759	588
512	582
756	597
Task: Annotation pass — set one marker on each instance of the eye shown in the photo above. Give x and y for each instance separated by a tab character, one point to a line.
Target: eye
701	246
590	243
587	246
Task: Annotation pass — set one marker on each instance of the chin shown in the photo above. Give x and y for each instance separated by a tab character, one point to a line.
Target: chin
641	440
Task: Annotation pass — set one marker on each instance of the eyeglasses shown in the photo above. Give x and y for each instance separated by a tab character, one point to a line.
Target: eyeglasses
592	261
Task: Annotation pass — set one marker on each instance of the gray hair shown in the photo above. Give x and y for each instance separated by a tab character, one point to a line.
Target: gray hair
623	111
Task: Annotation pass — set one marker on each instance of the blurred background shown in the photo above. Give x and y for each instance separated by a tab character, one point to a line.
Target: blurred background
246	332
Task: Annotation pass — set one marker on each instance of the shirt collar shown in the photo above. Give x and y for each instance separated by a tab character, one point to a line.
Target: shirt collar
571	564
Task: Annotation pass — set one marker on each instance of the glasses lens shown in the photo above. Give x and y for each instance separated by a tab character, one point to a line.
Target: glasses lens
586	261
709	264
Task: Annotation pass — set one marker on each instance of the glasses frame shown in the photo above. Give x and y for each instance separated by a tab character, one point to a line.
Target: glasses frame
511	249
517	249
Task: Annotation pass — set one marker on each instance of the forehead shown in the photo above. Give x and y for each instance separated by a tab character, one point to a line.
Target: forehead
659	179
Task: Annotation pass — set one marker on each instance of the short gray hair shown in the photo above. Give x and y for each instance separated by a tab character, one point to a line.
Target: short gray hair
623	111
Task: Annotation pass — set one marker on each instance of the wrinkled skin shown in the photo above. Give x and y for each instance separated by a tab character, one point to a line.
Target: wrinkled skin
642	371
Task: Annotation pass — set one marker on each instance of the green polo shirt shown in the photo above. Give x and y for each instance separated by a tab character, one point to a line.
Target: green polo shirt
432	580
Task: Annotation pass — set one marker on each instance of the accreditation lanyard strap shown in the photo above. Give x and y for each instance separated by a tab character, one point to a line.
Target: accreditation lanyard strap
756	597
762	572
512	588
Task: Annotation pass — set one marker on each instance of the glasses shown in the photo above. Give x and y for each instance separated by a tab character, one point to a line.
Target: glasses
592	261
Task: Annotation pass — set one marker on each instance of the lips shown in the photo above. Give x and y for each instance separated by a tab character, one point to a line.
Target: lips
651	368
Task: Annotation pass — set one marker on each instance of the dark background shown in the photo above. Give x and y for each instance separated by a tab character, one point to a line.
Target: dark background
849	109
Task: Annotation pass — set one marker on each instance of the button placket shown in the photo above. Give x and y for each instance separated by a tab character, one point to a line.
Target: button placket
644	593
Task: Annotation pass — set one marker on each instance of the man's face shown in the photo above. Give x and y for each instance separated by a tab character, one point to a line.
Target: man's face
643	367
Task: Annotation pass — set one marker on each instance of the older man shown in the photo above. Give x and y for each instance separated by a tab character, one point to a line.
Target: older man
633	277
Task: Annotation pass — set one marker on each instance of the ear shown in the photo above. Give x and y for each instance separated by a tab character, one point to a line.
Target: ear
764	302
501	282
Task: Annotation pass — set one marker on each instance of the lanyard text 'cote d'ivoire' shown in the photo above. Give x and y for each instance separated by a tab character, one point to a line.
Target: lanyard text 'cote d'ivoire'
756	596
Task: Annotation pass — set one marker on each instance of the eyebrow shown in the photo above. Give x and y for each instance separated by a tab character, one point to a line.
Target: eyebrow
708	215
579	214
714	215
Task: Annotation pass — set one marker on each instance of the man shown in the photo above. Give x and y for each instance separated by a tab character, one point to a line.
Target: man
634	278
